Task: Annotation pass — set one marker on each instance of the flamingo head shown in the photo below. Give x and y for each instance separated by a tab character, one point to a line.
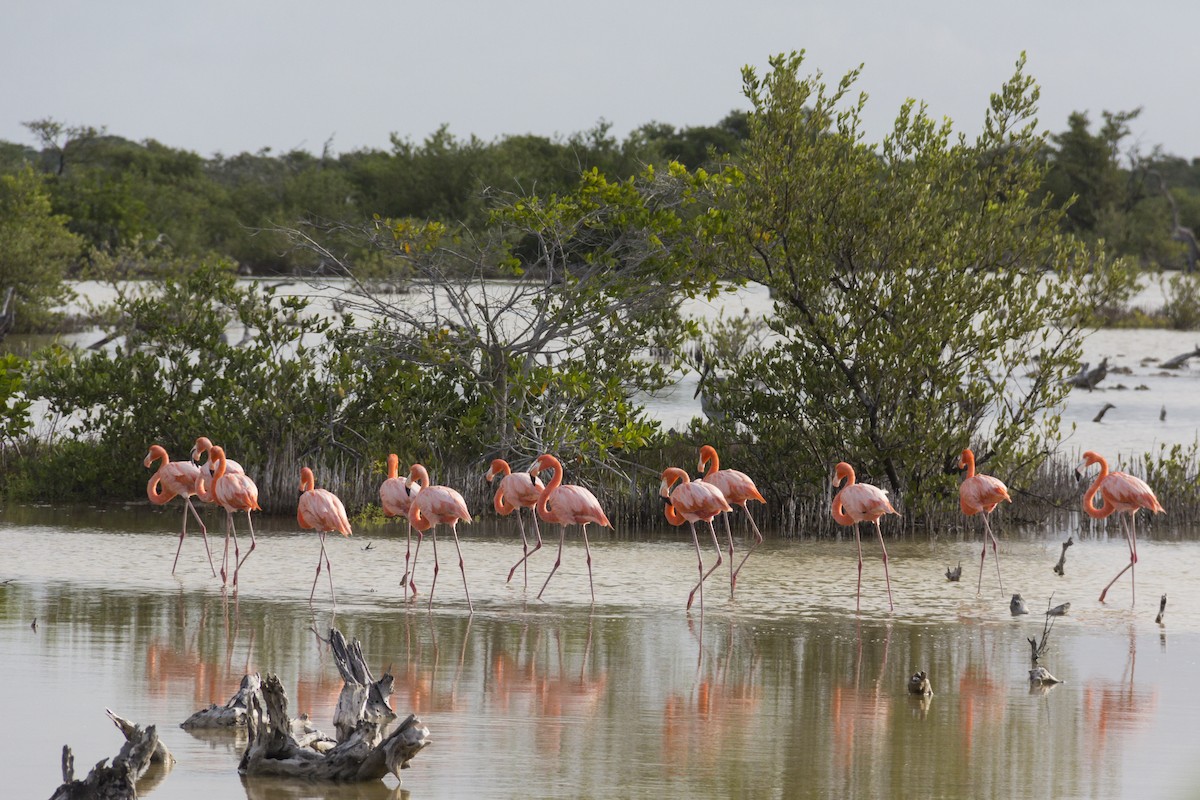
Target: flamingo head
393	465
156	452
307	481
1090	457
842	472
203	445
544	461
499	467
708	453
967	458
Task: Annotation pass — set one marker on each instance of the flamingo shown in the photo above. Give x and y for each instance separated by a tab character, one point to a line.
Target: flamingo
517	490
981	494
855	503
432	506
321	510
203	445
738	488
567	504
395	495
1122	493
692	501
232	491
171	479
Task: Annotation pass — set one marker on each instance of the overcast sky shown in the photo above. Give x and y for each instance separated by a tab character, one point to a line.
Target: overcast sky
238	75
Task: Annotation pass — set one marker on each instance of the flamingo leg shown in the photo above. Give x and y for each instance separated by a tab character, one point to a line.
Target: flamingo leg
858	591
758	538
317	576
253	544
557	561
588	551
1127	568
232	531
716	563
407	555
461	566
887	577
225	557
524	548
204	531
412	576
699	571
987	526
436	566
729	536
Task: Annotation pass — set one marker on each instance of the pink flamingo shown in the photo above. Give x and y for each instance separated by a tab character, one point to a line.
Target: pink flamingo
322	511
1122	493
855	503
432	506
517	490
567	504
980	494
738	488
395	495
692	501
232	492
204	445
176	478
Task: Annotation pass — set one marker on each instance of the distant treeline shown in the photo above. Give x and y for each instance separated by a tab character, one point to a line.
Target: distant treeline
113	192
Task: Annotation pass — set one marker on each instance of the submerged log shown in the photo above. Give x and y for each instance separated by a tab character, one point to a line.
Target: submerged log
130	730
365	755
230	715
116	782
1180	360
1088	378
1061	567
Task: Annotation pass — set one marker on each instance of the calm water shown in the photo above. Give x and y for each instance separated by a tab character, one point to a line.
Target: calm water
782	692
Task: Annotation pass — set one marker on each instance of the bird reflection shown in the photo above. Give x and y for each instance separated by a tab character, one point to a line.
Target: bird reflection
859	710
1114	707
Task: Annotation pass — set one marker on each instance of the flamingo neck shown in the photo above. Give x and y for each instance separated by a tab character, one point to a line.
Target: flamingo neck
709	455
839	515
968	459
554	482
419	475
1089	506
393	463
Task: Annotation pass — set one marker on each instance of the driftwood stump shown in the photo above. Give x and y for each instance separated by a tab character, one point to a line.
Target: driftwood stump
364	756
116	782
362	697
230	715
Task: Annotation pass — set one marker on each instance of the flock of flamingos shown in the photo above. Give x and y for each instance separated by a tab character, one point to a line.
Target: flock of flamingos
424	505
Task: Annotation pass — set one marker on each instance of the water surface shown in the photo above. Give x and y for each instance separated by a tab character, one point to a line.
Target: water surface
783	691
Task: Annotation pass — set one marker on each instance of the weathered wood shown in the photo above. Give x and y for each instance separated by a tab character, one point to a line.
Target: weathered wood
364	755
129	730
1061	566
230	715
1088	378
116	782
362	697
1180	360
955	573
8	314
1162	610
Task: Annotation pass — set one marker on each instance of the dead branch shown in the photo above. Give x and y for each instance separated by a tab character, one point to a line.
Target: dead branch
1061	566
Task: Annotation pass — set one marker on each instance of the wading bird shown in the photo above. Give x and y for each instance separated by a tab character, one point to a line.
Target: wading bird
1123	493
979	494
738	488
232	492
692	501
395	496
517	490
171	479
433	506
859	502
322	511
567	504
204	445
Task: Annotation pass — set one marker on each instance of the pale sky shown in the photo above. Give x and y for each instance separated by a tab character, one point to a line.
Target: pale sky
238	75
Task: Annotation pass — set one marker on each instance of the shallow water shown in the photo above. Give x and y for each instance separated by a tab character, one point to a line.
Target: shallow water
781	692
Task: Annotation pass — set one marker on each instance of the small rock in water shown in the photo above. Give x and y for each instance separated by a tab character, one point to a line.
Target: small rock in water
1059	610
955	573
1017	606
919	684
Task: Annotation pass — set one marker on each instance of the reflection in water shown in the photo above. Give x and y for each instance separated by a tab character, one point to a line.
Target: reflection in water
568	701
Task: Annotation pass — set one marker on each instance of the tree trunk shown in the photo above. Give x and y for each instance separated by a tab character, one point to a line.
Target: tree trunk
116	782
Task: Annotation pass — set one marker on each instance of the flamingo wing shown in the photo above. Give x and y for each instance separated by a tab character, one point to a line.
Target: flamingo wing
236	493
441	505
738	487
1129	493
571	504
699	501
394	498
323	511
981	493
863	502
